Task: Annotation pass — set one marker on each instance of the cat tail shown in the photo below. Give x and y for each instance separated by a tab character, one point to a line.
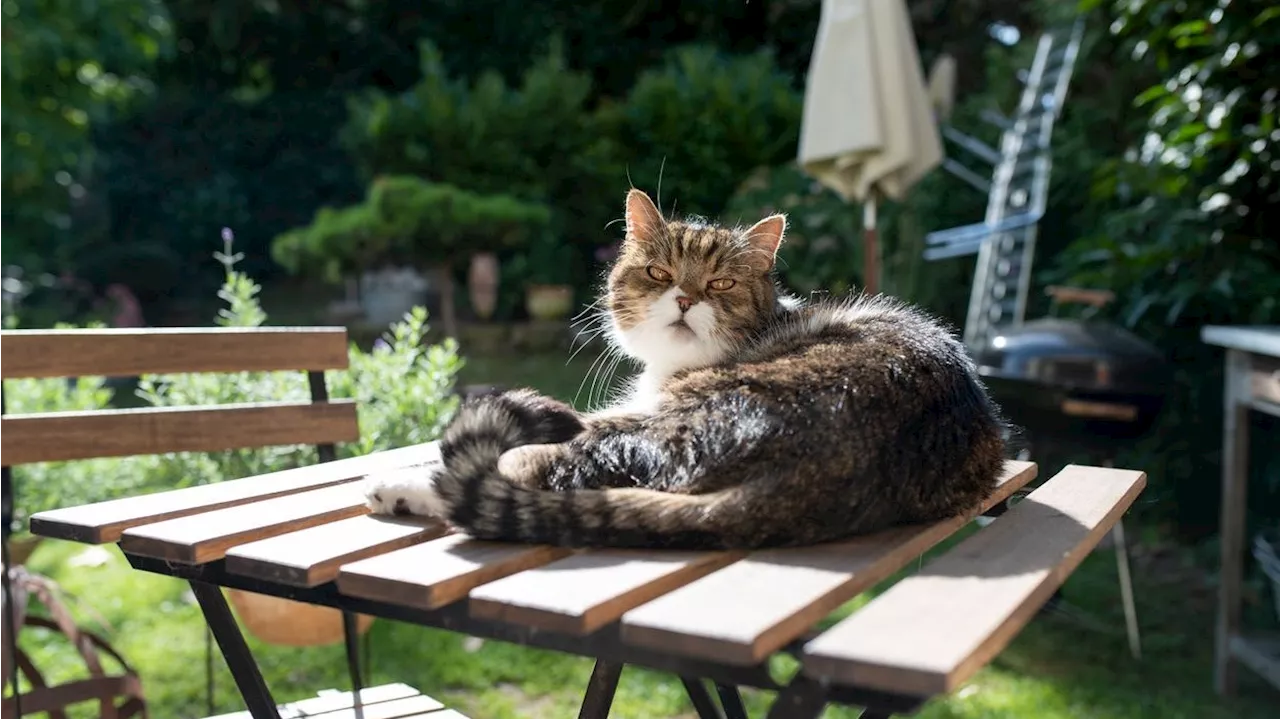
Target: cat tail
473	495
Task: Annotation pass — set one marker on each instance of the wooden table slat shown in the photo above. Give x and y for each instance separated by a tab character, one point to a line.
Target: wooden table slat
313	556
106	521
439	572
746	611
586	591
206	537
930	632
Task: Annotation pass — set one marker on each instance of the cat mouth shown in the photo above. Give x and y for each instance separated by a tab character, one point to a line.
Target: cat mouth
682	329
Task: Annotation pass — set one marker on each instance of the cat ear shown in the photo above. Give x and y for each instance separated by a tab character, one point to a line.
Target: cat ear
764	237
644	221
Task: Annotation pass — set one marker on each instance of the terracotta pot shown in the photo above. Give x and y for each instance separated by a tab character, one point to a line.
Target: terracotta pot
482	284
21	547
548	302
286	622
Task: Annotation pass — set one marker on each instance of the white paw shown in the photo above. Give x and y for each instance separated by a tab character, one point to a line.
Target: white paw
404	491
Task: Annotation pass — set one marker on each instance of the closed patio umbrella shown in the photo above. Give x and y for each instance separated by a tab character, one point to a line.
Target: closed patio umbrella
868	129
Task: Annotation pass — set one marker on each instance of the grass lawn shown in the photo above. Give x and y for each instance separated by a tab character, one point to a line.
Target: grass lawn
1060	666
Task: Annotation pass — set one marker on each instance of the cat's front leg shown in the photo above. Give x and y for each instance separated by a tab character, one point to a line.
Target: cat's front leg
409	491
412	491
530	466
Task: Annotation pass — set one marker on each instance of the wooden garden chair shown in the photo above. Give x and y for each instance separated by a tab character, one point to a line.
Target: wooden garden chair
64	436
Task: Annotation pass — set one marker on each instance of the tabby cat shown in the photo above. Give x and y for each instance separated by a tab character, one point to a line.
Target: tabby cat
758	420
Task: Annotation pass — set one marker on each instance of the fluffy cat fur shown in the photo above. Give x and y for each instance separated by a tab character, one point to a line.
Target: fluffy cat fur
758	420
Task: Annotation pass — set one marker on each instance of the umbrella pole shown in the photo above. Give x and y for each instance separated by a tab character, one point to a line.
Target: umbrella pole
870	248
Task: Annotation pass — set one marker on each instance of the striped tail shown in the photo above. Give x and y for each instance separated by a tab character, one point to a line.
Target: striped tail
479	500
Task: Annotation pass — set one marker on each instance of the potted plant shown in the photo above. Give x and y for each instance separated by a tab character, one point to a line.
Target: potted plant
440	225
285	622
548	268
353	242
406	223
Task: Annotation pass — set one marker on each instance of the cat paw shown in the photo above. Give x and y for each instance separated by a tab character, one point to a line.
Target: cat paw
401	492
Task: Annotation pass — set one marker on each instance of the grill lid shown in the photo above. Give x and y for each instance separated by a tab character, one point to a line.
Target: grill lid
1084	355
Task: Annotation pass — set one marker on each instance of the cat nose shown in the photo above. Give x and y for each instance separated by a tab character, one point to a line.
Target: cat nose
684	302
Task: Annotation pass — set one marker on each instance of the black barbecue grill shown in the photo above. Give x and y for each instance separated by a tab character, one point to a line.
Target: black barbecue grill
1084	382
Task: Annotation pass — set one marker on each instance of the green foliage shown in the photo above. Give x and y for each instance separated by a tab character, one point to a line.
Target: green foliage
546	261
408	220
704	121
403	388
1194	198
336	243
1182	215
176	173
65	65
440	221
537	141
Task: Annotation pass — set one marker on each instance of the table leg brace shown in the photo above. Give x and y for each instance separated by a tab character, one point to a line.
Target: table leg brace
244	670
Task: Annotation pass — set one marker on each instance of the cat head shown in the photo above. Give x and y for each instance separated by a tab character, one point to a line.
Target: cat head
684	294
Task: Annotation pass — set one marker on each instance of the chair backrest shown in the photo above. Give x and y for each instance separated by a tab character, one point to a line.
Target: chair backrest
56	436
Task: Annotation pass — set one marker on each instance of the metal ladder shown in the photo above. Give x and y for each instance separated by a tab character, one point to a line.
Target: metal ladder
1017	191
1005	240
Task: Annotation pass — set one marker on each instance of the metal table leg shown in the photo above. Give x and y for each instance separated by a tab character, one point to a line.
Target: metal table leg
703	704
351	637
600	690
731	701
1126	590
803	698
244	670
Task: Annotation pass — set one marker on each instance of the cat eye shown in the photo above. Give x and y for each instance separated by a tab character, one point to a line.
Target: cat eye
722	284
659	274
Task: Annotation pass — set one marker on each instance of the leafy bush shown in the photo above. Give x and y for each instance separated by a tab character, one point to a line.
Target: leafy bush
403	388
438	223
406	220
337	243
1185	212
704	121
65	66
175	173
537	141
1196	195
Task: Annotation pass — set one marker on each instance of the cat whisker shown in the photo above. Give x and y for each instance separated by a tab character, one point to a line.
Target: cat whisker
610	357
587	376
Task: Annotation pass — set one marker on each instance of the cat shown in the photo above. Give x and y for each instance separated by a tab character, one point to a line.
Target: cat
758	421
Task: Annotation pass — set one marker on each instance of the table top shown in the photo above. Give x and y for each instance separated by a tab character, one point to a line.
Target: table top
1259	339
305	534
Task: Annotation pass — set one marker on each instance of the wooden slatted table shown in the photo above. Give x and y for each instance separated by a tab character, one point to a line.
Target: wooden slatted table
706	616
1252	384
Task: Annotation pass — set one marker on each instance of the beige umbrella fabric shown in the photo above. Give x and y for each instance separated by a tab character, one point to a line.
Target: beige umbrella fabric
868	129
